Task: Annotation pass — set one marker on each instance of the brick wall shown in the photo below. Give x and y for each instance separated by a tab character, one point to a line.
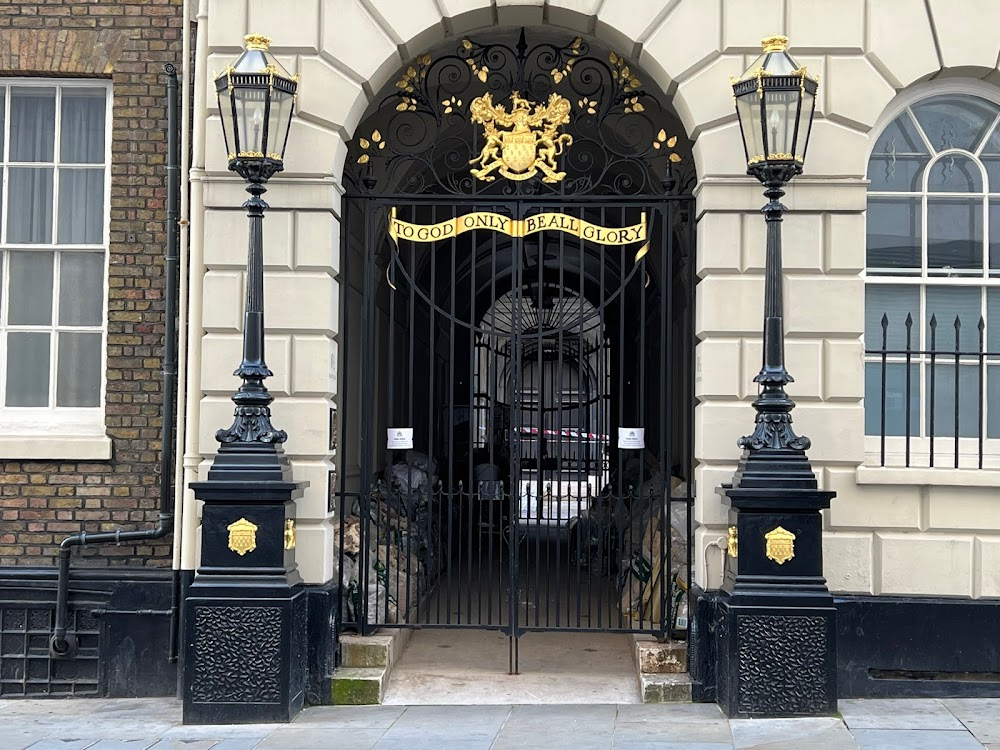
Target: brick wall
127	41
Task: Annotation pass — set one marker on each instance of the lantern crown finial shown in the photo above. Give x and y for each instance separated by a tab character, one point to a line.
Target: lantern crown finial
776	43
257	42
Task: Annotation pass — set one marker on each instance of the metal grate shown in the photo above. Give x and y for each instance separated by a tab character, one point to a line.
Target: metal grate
25	667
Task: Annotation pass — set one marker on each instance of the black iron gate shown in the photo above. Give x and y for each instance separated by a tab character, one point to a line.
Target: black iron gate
531	360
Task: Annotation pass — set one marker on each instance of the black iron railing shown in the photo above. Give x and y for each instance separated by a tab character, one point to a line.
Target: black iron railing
935	401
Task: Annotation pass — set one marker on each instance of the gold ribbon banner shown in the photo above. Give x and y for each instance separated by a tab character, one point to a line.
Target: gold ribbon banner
547	222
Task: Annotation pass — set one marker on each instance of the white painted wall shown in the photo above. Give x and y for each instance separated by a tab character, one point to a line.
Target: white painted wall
890	531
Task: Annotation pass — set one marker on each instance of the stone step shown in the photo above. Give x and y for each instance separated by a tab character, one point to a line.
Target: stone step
653	657
365	651
358	686
665	688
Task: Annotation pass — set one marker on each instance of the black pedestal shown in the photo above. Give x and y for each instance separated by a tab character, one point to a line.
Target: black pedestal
775	641
246	613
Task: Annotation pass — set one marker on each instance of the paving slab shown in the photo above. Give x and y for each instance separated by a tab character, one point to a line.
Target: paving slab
320	738
185	745
350	716
19	739
673	732
915	739
688	713
567	718
781	734
902	713
553	737
49	744
981	716
672	745
121	745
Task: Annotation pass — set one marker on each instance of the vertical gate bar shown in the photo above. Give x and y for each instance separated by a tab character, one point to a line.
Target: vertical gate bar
640	359
664	364
667	254
982	387
367	366
343	389
436	494
513	545
472	439
390	422
491	378
450	395
583	424
958	393
691	294
540	411
414	518
622	275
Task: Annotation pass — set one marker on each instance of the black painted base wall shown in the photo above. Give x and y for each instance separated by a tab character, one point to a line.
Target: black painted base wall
123	653
888	647
120	617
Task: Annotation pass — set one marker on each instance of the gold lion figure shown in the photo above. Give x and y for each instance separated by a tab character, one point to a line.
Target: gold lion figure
532	143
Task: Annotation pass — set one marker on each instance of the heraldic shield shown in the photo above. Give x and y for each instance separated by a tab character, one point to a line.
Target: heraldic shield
518	150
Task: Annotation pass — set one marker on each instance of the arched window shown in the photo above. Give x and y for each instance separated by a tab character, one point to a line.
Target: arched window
932	303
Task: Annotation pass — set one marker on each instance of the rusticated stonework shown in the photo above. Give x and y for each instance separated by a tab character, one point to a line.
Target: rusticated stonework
782	663
237	655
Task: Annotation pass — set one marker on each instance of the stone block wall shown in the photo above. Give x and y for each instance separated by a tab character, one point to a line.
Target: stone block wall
42	500
895	533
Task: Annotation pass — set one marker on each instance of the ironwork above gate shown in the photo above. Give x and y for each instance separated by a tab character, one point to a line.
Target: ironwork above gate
555	118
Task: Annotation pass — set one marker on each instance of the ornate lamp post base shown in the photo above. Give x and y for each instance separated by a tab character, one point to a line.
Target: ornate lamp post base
245	622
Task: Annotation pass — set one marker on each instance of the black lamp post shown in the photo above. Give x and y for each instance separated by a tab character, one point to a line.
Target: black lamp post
776	639
245	611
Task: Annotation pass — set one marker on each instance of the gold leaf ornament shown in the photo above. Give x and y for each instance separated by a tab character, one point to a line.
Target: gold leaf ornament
363	142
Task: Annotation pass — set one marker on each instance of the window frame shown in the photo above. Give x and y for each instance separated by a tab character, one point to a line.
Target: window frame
52	420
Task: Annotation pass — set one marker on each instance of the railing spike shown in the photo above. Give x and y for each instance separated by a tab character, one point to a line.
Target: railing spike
982	324
909	320
885	321
933	323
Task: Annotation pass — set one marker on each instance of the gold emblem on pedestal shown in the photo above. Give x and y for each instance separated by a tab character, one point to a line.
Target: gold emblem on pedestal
732	542
289	534
532	143
779	545
242	536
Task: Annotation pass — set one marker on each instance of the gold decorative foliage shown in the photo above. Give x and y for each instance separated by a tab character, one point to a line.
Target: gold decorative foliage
369	147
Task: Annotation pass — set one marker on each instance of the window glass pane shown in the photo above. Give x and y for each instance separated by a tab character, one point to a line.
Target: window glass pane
79	379
902	173
82	126
993	401
955	174
993	321
955	234
942	384
748	109
900	138
894	233
27	369
895	302
945	304
30	289
81	206
32	123
29	207
3	114
895	399
955	120
995	237
81	289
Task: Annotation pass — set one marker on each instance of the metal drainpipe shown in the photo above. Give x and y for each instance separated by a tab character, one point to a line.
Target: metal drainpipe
62	645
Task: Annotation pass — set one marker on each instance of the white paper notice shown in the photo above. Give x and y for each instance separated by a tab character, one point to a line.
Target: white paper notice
400	438
631	437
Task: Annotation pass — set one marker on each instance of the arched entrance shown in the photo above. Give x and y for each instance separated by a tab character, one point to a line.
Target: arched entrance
517	389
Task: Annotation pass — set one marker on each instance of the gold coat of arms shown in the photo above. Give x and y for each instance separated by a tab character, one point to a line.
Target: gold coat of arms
242	536
532	142
779	545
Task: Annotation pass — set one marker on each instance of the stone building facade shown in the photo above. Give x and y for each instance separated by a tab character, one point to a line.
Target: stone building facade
925	535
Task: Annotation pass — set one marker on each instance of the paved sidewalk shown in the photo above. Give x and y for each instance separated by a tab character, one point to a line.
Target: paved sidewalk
75	724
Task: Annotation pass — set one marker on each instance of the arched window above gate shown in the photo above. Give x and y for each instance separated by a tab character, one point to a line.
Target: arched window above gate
520	113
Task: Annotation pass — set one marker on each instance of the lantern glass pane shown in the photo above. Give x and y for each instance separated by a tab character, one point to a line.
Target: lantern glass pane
779	117
278	123
250	103
805	119
226	114
748	109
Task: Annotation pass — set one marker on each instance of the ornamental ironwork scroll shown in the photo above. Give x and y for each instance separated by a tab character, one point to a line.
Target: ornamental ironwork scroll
495	116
